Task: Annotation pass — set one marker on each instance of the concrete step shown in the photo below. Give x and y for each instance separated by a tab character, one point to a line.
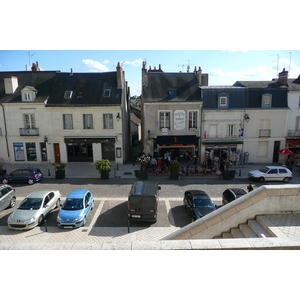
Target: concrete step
227	235
258	229
269	226
247	231
237	233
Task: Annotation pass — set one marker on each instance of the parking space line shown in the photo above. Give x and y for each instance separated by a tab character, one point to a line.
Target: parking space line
169	212
96	215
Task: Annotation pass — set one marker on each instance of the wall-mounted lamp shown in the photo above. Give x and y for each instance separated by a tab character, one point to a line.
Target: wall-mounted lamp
118	117
45	139
246	117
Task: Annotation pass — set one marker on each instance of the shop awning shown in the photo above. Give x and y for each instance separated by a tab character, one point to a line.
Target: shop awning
79	139
293	142
177	140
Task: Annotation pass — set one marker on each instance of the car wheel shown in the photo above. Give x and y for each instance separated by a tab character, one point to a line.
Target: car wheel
30	181
92	205
57	203
286	180
261	179
12	202
40	220
4	181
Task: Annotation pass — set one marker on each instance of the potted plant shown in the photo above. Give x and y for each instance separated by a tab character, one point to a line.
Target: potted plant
144	163
174	168
2	162
103	166
59	170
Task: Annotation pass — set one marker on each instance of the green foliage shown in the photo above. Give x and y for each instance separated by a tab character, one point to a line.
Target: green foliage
102	165
59	166
174	166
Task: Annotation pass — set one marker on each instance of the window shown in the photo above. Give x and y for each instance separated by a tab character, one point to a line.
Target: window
29	121
172	93
106	93
164	120
68	94
266	100
223	100
68	121
27	97
192	119
31	152
230	130
107	121
87	121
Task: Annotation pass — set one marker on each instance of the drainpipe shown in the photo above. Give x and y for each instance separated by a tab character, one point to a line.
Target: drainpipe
4	119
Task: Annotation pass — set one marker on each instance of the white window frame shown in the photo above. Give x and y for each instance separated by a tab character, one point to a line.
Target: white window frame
223	101
163	121
68	94
88	121
230	130
29	121
67	121
193	119
108	122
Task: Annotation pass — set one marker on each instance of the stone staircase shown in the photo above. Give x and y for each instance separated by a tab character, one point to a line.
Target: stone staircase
260	227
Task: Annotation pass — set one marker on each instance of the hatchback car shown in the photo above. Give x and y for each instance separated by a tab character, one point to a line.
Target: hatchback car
198	203
75	209
271	173
33	209
29	175
232	194
7	196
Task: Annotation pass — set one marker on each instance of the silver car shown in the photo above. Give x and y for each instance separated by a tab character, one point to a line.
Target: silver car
33	209
7	196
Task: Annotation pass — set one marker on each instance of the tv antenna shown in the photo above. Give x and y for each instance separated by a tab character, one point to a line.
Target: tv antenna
290	60
187	66
29	55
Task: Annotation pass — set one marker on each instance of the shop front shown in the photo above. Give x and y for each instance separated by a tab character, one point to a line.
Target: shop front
181	147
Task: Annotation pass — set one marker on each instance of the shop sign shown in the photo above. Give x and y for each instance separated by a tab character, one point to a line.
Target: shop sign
179	120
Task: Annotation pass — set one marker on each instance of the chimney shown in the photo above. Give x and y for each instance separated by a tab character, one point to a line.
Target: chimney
120	74
144	75
199	75
35	67
283	76
10	84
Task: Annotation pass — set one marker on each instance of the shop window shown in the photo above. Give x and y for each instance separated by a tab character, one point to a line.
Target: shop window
31	151
43	151
19	152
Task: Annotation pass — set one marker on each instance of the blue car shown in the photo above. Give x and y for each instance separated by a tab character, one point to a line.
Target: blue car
75	209
29	175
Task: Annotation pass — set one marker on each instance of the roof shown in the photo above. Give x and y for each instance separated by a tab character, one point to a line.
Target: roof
159	84
77	194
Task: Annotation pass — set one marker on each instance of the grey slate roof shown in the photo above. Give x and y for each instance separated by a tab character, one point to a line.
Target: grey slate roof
159	83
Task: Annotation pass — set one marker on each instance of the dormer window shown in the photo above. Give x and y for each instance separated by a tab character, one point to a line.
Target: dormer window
80	95
266	100
106	93
223	100
68	94
28	93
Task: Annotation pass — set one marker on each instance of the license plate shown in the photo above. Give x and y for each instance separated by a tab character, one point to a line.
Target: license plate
68	226
135	216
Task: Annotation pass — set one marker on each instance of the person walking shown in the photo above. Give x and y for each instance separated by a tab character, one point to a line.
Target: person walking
249	187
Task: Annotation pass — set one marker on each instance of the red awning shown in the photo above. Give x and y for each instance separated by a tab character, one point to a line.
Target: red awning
293	142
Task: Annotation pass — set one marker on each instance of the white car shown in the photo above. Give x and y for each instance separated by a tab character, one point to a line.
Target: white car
271	173
33	209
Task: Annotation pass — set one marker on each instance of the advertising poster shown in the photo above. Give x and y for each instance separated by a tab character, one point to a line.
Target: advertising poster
19	151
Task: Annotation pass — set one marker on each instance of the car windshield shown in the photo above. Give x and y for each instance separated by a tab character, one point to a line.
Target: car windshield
203	203
264	169
31	203
73	204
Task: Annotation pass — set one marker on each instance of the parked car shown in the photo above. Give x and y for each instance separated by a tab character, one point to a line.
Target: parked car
232	194
7	196
33	209
29	175
271	173
198	203
75	209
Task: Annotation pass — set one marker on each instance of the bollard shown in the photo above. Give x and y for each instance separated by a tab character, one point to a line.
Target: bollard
48	172
128	225
45	224
240	173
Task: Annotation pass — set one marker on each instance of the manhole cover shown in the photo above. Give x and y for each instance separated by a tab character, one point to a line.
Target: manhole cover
84	230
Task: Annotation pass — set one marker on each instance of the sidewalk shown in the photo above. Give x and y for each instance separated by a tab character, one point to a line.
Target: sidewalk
88	170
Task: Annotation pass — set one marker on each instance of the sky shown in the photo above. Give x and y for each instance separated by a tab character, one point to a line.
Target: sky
224	67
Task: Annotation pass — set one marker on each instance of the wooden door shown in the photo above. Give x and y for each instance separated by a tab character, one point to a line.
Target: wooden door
57	153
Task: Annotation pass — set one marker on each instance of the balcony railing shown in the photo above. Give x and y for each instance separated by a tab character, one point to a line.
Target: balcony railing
264	132
293	133
29	131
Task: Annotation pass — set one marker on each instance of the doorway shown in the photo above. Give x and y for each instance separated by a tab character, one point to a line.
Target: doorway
275	152
56	153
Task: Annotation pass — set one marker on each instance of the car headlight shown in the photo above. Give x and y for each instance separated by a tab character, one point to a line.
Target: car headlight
59	218
78	218
30	220
9	219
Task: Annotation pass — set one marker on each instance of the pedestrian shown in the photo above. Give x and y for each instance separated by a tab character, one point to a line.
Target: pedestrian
250	187
153	163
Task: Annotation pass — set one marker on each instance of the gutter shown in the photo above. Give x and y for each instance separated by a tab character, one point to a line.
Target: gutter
4	119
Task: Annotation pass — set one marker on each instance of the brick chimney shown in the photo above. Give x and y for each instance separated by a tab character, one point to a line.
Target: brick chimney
120	76
199	75
144	75
283	76
10	84
35	67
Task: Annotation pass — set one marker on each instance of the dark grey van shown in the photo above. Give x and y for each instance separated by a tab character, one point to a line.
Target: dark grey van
143	201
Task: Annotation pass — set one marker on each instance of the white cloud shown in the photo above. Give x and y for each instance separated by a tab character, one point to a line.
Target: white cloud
106	61
219	76
135	63
94	66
